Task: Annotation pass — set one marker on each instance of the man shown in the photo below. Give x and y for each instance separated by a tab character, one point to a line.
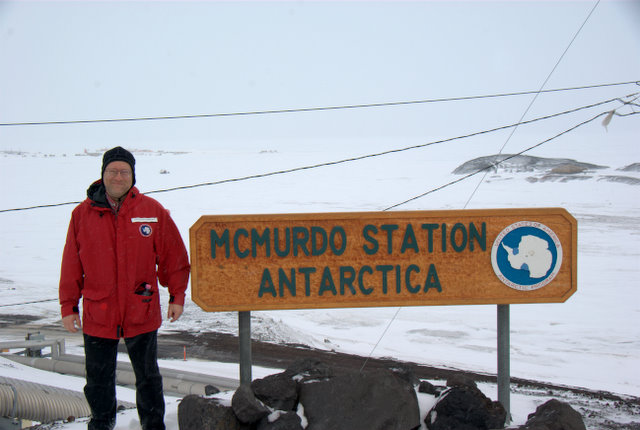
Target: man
120	245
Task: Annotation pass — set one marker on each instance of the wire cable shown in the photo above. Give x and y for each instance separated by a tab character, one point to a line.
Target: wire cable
311	109
491	166
497	163
29	303
533	100
346	160
513	130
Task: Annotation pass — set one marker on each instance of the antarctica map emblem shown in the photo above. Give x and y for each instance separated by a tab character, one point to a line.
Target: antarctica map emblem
526	255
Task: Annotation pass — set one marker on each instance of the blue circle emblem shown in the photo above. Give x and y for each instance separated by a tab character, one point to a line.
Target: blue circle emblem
145	230
526	255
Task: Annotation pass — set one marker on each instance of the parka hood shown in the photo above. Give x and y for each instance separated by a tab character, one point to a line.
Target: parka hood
97	193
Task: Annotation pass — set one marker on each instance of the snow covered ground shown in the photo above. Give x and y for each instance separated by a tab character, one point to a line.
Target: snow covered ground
68	61
591	341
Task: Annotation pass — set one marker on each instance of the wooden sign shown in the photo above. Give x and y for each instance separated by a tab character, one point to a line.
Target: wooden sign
371	259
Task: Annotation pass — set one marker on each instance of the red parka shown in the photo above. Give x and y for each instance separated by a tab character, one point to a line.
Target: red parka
108	258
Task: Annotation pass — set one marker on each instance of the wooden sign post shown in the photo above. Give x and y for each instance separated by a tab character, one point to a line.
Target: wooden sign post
371	259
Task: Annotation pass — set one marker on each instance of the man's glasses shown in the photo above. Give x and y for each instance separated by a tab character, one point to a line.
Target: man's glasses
111	173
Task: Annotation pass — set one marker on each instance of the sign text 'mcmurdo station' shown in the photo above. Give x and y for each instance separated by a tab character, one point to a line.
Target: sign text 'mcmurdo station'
369	259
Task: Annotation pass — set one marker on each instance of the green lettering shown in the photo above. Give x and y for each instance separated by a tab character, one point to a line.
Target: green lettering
326	283
276	242
407	278
315	232
260	240
458	227
307	271
430	228
266	284
300	237
236	242
384	269
290	282
373	248
343	240
220	241
480	237
432	280
347	277
389	228
364	269
409	240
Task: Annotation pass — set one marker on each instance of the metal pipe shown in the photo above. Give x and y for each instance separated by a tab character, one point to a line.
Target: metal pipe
244	338
174	381
504	367
57	345
37	402
14	409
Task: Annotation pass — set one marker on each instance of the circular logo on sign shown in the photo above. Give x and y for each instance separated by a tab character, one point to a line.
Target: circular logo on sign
526	255
145	230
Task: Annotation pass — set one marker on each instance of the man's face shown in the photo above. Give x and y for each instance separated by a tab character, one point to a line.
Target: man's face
117	179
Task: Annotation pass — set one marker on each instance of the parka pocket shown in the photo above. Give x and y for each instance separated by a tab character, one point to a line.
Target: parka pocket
143	308
98	306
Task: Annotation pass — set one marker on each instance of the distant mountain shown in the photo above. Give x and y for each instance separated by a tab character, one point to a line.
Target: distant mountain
546	169
525	163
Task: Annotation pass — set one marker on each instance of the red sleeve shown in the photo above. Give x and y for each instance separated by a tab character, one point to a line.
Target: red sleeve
173	260
71	272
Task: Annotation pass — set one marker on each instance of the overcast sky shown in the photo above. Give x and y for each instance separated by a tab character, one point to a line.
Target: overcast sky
82	60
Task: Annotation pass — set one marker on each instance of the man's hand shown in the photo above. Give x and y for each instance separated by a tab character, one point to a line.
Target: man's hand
72	323
174	312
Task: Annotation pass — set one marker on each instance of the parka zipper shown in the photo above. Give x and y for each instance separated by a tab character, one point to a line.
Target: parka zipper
119	331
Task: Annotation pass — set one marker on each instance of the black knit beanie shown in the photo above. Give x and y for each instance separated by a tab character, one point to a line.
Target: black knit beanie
119	154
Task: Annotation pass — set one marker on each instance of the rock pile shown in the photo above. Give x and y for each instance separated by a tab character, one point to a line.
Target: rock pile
310	395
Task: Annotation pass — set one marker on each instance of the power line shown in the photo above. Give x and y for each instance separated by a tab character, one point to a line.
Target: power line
346	160
29	303
395	315
310	109
497	163
533	100
513	130
388	152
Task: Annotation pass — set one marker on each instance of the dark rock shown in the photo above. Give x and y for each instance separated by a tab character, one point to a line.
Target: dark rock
407	374
308	369
449	423
552	177
247	408
199	413
465	407
427	387
277	391
520	163
568	169
210	390
375	400
634	167
284	421
461	380
621	179
554	415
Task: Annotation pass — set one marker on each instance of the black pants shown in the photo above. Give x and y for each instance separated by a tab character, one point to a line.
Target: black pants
100	391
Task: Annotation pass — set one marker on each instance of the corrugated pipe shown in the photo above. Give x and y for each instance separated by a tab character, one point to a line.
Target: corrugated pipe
37	402
46	404
174	381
